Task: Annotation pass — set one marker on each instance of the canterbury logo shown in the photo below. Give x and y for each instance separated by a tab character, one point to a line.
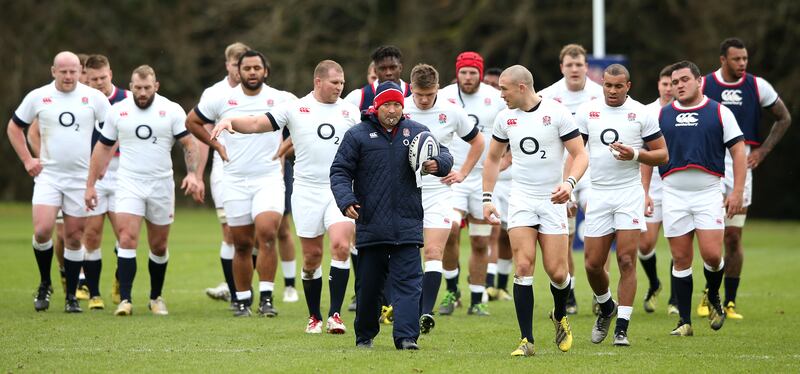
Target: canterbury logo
511	122
686	119
732	97
594	115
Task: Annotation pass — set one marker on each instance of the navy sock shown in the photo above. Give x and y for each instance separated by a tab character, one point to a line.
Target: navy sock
289	282
607	308
523	304
337	285
92	270
452	284
683	292
255	261
313	291
475	298
73	271
157	274
713	280
265	295
127	271
502	281
227	271
489	280
44	261
731	286
560	301
649	266
622	325
673	300
431	280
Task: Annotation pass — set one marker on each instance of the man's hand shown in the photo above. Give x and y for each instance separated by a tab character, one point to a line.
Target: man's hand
223	125
621	151
491	213
190	185
572	208
352	211
90	198
755	157
33	167
220	149
649	207
430	167
453	177
733	204
561	193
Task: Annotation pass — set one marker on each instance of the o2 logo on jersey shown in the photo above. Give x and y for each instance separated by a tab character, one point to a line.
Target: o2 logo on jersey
67	119
731	97
686	119
609	136
529	146
144	132
326	131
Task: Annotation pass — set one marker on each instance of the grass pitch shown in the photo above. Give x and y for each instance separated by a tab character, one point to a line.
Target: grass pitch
200	335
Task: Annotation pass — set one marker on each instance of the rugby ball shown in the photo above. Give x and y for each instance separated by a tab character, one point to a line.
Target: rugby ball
422	148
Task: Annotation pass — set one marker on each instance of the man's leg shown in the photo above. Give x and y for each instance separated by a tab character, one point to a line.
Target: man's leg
266	224
129	226
435	241
243	261
312	280
340	235
44	217
405	274
287	254
682	254
734	259
157	236
479	232
93	263
554	260
523	246
450	269
73	253
627	244
504	264
710	243
647	256
491	266
372	269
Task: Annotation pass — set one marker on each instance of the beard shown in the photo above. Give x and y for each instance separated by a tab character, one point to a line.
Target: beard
146	104
252	87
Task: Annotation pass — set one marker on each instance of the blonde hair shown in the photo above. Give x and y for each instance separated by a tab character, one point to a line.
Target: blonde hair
235	50
572	50
324	66
144	71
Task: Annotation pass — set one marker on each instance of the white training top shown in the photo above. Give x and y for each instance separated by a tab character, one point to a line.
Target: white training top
445	120
316	130
631	124
249	155
146	135
700	180
66	122
482	107
572	99
537	145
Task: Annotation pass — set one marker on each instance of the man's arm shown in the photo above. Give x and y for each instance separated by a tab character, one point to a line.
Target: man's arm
196	126
733	202
476	146
580	161
245	125
647	175
191	184
342	175
16	136
782	122
34	138
491	168
101	156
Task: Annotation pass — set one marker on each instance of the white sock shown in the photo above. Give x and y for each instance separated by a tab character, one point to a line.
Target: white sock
266	286
504	266
433	266
523	281
604	297
624	312
340	264
450	274
94	255
289	268
126	253
243	295
563	284
226	251
74	255
477	288
160	259
42	246
491	268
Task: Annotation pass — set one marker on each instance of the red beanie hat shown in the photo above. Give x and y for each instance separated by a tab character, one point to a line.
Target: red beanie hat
386	92
471	60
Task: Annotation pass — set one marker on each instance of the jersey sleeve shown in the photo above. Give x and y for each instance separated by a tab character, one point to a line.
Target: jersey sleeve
767	96
280	115
26	112
464	127
566	125
101	106
109	132
650	128
179	122
499	132
581	122
209	106
731	133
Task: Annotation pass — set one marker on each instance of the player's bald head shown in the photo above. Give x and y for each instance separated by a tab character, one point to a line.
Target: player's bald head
518	74
66	58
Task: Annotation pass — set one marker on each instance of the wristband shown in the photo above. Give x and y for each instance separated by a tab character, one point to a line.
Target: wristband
487	197
636	154
572	182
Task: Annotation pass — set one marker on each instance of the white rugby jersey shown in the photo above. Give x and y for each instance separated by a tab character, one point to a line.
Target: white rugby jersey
482	107
249	155
444	119
537	145
66	123
146	135
572	99
316	130
631	124
221	86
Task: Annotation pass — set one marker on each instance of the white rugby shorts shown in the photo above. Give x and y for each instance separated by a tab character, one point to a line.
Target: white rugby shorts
153	199
467	195
106	189
315	210
246	198
685	211
438	208
70	199
614	209
500	195
216	183
528	210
